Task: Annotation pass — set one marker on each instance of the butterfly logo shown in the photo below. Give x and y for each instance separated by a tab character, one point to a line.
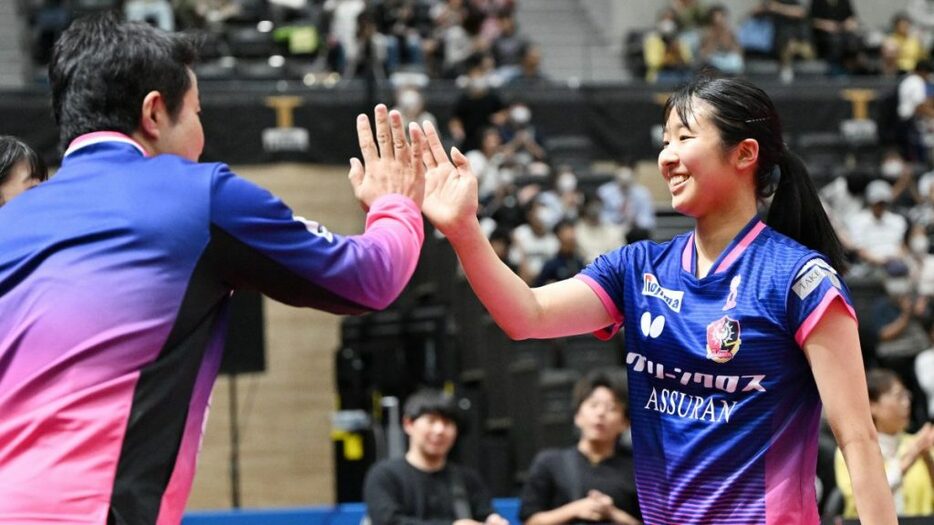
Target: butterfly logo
652	327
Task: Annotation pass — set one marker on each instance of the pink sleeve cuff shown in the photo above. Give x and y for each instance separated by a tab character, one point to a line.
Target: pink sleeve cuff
607	333
804	331
394	223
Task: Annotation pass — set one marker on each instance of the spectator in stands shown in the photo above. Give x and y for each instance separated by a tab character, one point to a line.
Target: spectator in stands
792	35
667	55
876	232
921	13
501	241
899	331
508	47
719	47
562	198
411	104
909	463
901	175
522	140
913	109
596	236
344	32
20	168
424	487
924	372
567	262
628	203
487	162
691	16
902	48
154	12
835	27
478	106
530	72
47	25
592	481
396	19
369	57
533	243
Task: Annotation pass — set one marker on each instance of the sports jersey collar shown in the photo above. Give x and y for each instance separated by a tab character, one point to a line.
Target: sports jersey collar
98	137
732	252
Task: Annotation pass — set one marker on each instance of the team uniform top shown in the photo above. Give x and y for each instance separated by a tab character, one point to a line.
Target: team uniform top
725	411
114	283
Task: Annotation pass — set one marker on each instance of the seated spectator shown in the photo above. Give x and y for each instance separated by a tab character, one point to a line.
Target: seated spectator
902	48
424	487
876	232
594	235
501	242
530	72
899	331
628	203
368	56
487	162
411	104
909	464
668	57
901	176
20	168
921	13
157	13
478	106
835	26
508	47
792	35
924	371
592	481
691	16
913	108
719	47
397	20
562	199
522	140
533	243
567	263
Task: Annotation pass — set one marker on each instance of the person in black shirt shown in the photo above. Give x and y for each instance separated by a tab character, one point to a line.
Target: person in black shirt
423	488
592	481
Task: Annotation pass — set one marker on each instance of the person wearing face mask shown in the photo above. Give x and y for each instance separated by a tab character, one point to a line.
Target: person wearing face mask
667	56
411	104
876	232
594	235
567	262
909	462
20	168
562	199
533	243
628	203
912	107
592	481
521	139
478	105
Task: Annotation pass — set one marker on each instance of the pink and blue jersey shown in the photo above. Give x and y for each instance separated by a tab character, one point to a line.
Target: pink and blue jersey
114	283
725	411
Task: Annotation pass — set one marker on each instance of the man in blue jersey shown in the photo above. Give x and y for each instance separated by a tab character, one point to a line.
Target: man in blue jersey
115	298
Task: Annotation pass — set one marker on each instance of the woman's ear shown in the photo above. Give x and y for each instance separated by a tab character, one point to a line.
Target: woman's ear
747	154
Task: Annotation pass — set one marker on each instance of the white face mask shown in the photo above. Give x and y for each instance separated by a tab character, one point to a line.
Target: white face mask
891	169
566	183
410	101
667	26
520	115
919	244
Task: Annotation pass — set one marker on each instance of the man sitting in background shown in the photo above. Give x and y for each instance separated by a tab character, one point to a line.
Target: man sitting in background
423	488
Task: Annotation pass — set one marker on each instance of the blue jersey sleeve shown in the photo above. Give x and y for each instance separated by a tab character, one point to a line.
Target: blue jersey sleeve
606	276
815	286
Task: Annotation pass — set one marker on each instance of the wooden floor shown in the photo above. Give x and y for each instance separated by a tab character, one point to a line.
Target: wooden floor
284	412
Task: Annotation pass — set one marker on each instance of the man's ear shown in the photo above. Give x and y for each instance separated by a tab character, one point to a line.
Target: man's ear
152	114
747	154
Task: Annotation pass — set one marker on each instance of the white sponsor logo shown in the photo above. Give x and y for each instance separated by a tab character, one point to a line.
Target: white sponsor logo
652	327
811	275
316	228
652	288
686	406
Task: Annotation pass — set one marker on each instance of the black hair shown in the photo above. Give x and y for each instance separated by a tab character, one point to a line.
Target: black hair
13	151
431	401
102	68
612	379
879	381
740	111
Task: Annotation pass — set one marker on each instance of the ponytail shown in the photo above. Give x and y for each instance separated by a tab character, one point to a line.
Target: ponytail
797	211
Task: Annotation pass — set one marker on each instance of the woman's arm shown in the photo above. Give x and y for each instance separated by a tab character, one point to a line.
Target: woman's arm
833	351
564	308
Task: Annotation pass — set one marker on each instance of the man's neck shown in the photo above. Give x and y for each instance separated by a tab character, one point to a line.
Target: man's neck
424	463
596	451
